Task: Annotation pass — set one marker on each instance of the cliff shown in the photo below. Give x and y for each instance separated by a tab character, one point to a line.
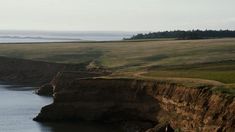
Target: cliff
185	106
64	78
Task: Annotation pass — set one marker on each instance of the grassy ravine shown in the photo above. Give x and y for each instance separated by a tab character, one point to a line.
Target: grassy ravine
212	59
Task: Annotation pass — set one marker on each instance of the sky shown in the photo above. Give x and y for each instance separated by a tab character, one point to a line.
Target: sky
116	15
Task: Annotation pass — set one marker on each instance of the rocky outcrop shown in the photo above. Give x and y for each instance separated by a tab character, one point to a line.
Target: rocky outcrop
65	78
46	89
191	106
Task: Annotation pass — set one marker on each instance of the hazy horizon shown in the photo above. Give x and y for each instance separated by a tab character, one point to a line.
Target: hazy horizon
113	15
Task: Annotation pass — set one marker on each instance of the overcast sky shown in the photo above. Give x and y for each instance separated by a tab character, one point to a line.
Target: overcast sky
116	15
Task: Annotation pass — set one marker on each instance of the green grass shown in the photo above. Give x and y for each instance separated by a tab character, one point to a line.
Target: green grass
214	86
226	89
222	76
223	71
121	54
212	59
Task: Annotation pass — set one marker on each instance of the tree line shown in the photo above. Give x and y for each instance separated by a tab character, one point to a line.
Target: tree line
180	34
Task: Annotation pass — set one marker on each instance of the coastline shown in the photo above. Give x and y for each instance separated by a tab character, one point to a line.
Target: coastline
80	94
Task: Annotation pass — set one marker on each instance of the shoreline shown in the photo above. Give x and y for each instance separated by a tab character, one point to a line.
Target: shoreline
116	41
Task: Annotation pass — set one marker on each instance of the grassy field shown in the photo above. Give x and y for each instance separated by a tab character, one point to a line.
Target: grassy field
212	59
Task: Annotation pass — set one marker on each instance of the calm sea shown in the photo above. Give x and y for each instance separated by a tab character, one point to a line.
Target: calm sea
49	36
18	107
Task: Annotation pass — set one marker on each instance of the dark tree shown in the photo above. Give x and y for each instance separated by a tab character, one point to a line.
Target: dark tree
191	34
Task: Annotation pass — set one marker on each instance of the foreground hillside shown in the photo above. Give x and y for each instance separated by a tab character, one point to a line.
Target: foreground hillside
207	59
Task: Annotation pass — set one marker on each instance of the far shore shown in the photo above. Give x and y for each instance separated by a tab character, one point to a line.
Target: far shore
116	41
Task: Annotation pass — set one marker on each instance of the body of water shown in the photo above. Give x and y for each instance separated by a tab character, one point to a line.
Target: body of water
19	107
49	36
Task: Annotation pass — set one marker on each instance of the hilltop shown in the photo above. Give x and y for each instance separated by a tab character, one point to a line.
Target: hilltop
206	59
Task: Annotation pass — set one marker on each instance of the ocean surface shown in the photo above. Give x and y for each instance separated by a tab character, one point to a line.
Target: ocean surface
18	106
52	36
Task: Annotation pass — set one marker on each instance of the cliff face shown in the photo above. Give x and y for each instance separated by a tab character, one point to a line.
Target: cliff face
64	79
184	107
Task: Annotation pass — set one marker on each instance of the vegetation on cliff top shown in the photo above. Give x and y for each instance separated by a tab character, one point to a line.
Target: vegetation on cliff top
228	89
206	59
214	86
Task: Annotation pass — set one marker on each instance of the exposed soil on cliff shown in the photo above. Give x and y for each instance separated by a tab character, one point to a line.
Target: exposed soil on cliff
155	102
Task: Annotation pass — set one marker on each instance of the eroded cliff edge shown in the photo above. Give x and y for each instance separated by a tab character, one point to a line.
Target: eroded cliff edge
64	78
188	106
